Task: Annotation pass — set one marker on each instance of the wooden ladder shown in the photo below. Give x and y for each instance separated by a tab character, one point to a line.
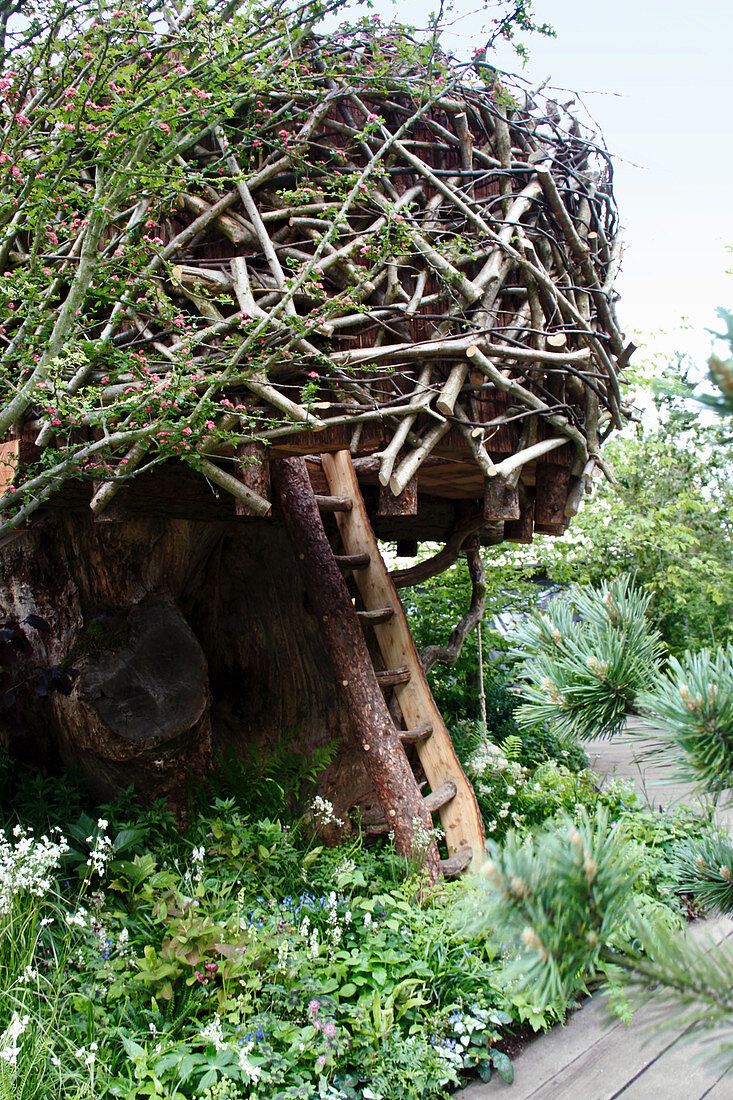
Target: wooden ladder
451	794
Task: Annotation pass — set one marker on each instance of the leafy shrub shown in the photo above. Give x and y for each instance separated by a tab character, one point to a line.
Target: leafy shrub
239	959
277	783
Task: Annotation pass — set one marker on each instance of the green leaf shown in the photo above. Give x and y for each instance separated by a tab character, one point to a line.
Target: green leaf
503	1066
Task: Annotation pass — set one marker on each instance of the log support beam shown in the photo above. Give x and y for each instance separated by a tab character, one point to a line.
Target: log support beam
375	736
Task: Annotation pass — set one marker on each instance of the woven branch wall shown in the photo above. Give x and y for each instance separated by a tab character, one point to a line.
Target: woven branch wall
422	272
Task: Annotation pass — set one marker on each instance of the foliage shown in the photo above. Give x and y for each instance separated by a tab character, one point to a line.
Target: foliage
720	375
271	785
721	372
559	897
566	898
118	117
556	899
691	976
705	871
529	747
512	795
667	521
692	704
586	659
242	958
433	608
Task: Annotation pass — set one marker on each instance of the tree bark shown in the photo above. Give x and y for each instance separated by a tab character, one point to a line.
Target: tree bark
375	736
189	639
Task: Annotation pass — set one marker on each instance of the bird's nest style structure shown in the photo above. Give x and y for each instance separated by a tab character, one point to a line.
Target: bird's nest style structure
389	255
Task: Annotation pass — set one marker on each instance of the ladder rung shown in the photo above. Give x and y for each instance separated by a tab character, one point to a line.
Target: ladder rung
440	796
417	735
334	504
456	863
389	677
373	618
352	561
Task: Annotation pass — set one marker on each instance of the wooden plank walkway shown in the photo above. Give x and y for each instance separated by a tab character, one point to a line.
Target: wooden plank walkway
594	1056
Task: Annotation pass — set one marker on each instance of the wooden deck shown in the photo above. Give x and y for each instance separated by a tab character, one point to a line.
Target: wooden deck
596	1057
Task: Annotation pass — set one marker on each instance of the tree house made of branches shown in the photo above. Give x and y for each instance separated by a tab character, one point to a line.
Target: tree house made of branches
365	296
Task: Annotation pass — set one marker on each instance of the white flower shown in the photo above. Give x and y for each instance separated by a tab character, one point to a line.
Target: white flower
212	1033
9	1047
102	850
252	1072
323	812
26	866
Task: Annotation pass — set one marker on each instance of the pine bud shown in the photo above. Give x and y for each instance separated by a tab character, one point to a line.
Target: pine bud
492	872
531	940
686	697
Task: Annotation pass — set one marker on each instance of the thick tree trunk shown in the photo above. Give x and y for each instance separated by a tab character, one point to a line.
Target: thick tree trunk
375	736
189	638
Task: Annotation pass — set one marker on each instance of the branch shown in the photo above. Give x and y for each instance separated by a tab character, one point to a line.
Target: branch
449	654
424	570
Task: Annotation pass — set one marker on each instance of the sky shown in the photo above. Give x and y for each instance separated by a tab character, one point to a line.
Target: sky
657	77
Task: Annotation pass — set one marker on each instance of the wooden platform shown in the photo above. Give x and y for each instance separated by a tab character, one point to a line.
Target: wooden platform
595	1056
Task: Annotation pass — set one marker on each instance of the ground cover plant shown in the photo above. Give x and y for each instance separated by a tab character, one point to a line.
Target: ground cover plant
242	958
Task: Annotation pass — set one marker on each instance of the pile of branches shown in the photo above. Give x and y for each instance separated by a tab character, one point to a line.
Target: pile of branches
220	229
